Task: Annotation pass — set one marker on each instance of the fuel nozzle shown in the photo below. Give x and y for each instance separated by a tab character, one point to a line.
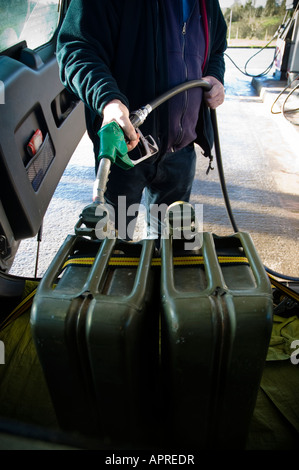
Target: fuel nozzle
113	149
100	184
91	214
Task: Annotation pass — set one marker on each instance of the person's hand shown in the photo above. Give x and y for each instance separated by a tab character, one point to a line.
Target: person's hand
116	111
215	96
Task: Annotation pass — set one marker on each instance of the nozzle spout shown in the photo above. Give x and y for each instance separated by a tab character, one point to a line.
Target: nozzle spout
100	184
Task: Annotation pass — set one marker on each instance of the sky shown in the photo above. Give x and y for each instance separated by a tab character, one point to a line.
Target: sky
228	3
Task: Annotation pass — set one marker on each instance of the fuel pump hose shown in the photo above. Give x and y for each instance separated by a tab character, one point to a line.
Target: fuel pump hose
139	116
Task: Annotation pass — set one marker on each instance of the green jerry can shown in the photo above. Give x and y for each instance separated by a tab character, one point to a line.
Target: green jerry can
95	326
216	325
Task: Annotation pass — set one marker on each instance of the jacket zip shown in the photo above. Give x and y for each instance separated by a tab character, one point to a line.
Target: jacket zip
184	30
207	26
180	134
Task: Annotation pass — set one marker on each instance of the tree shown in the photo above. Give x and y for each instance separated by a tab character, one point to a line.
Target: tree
270	8
259	12
282	7
248	9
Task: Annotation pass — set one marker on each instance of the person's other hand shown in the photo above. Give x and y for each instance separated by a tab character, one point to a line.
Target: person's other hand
215	96
116	111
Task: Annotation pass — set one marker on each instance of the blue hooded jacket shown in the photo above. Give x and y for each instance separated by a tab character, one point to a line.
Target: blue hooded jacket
110	49
185	52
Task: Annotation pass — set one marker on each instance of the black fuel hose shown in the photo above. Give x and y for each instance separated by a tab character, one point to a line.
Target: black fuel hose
139	116
177	89
221	171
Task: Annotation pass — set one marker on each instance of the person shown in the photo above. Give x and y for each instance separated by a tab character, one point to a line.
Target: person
118	55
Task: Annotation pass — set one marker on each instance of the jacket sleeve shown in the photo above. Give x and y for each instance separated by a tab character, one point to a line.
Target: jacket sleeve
85	51
218	43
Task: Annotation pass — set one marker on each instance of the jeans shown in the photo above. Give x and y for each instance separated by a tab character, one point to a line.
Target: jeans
164	179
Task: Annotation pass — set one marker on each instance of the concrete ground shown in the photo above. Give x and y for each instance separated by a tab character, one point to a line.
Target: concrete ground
260	155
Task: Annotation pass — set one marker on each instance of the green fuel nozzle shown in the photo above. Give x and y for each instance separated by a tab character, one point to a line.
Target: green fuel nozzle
113	149
113	145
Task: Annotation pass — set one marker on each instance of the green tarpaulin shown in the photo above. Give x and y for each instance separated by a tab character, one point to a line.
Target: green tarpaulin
275	424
